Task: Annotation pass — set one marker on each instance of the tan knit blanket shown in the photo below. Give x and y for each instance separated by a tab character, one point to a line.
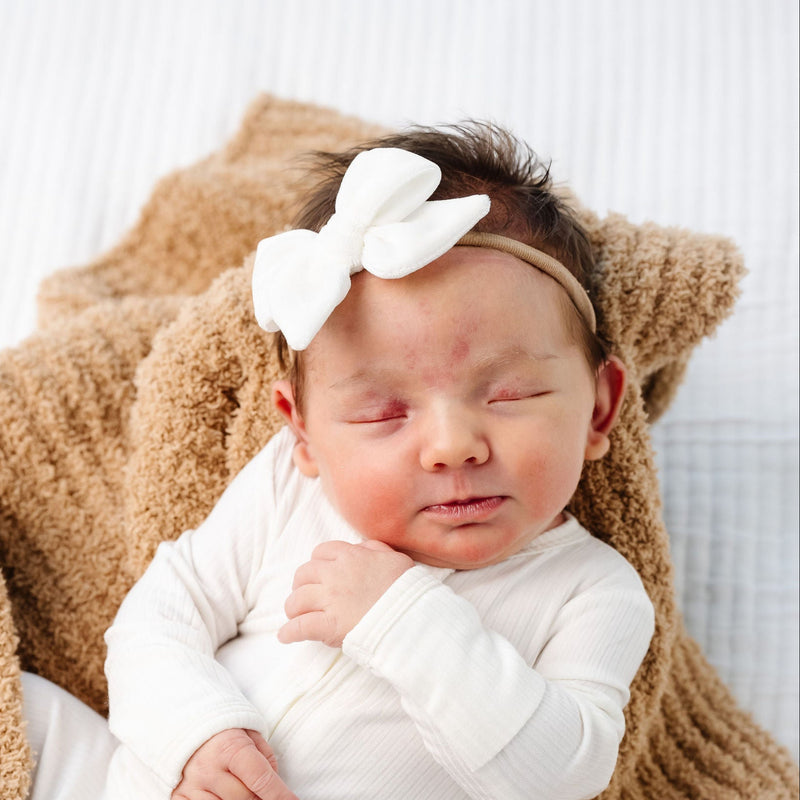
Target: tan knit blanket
146	390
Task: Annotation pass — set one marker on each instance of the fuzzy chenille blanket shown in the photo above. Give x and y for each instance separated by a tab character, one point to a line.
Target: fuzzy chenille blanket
146	389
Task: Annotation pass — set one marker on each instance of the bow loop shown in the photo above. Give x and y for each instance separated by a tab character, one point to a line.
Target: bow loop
385	185
397	249
383	223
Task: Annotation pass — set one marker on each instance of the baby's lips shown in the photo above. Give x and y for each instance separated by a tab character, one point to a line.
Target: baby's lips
472	509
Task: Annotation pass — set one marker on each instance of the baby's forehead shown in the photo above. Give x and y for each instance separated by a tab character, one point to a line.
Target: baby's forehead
465	281
470	298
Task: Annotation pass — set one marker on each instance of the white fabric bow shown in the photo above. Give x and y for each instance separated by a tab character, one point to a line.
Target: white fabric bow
383	223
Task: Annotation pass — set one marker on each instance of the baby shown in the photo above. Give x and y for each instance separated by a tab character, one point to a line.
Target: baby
390	600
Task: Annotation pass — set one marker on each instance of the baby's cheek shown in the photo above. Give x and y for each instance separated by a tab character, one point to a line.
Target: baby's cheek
371	504
551	480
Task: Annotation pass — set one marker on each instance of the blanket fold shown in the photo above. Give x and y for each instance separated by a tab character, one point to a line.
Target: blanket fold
147	388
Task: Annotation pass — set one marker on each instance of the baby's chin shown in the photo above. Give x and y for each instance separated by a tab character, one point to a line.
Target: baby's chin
475	547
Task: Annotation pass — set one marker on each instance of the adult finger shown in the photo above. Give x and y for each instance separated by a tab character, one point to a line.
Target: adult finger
221	786
262	745
256	773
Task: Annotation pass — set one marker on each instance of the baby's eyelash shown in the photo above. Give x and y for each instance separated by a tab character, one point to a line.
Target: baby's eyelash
381	414
377	419
510	396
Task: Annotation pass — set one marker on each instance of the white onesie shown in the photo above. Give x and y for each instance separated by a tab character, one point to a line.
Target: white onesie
501	682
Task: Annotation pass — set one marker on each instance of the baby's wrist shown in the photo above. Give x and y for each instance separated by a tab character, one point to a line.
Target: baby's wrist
364	637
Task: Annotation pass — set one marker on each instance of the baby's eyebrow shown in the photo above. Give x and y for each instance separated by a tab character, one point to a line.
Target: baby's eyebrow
511	357
363	378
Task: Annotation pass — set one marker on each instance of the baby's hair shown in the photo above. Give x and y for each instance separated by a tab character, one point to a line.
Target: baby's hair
475	158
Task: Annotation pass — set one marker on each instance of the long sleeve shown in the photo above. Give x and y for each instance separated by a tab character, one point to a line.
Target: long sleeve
162	645
500	726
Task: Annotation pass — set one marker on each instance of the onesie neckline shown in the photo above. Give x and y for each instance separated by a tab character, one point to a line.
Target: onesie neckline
567	533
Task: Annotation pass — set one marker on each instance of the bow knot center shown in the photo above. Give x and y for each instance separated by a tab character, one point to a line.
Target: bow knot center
344	236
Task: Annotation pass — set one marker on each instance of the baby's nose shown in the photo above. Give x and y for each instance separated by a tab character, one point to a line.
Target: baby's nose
453	439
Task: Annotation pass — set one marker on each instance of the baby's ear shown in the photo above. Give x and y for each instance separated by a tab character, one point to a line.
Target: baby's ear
611	380
285	403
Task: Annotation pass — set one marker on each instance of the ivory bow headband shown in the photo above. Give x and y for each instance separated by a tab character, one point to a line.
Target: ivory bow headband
385	224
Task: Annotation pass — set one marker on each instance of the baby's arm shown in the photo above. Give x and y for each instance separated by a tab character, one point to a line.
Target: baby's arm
500	727
168	693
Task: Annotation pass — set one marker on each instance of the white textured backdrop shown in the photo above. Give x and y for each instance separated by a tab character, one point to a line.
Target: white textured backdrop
683	112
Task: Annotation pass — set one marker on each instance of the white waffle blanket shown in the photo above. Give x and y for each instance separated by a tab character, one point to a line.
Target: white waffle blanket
683	112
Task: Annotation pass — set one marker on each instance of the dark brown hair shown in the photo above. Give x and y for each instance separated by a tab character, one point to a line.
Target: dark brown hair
475	158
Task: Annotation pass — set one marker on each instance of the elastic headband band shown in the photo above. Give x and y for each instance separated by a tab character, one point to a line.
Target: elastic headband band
543	262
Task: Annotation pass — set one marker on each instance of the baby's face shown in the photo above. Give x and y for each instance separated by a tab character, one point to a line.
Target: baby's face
448	413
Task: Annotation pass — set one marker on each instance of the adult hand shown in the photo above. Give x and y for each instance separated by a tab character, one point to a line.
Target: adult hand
333	591
234	764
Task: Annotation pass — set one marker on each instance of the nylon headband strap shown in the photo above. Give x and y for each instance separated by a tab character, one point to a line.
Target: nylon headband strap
547	264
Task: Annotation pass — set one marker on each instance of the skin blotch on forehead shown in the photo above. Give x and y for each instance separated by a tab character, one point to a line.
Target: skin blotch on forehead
460	348
464	327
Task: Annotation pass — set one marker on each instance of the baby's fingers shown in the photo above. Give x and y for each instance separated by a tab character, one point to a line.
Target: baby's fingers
305	599
314	626
308	573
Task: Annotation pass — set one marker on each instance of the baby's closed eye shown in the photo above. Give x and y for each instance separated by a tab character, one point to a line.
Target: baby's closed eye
380	412
515	393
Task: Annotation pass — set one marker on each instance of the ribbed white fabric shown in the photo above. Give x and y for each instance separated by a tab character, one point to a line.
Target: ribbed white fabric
681	112
435	682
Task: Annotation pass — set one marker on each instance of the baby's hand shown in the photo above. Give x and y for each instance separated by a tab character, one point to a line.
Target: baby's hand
233	765
334	590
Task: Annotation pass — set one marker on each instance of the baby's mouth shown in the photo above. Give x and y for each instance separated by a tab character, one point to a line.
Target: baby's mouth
472	509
